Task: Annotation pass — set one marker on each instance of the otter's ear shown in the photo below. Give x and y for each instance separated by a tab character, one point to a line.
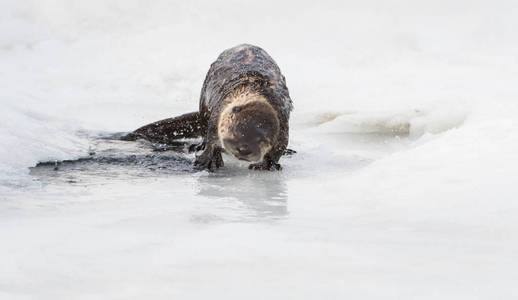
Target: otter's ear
237	109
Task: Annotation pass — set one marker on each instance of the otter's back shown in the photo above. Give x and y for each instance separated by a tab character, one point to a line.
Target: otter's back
239	64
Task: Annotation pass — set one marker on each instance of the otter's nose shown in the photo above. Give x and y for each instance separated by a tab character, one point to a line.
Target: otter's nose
244	149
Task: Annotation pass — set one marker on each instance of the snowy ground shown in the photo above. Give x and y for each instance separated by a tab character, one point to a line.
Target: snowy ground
403	187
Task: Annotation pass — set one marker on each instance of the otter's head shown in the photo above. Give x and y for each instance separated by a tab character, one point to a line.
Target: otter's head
248	130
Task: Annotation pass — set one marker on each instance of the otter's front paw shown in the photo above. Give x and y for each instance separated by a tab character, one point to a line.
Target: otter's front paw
265	165
209	161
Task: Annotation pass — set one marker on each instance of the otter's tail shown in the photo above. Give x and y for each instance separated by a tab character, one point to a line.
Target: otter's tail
165	131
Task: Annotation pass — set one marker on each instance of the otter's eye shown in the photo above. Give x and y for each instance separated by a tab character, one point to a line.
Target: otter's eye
237	109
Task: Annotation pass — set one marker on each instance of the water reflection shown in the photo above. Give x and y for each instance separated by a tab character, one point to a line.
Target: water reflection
238	194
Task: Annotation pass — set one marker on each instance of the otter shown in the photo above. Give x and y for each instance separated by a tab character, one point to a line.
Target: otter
244	110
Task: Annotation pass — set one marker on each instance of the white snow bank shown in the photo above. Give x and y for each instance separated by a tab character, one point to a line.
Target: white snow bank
412	122
461	181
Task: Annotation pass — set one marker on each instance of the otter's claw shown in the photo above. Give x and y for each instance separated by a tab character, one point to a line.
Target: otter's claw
289	152
265	165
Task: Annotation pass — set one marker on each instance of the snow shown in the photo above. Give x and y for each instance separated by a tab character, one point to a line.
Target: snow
403	185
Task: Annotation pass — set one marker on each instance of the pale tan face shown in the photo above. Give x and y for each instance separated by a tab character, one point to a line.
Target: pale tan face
247	130
252	149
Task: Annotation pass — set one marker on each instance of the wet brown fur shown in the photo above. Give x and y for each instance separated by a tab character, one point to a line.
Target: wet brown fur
244	95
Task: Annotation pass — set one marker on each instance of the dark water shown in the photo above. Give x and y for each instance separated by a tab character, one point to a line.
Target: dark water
111	158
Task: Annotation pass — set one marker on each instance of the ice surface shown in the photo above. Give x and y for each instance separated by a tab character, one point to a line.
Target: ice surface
403	186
